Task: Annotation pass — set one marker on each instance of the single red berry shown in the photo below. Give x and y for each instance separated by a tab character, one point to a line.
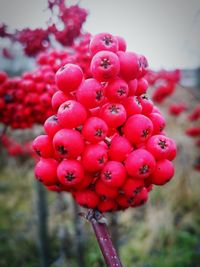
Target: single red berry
58	98
158	121
68	143
138	129
94	129
147	105
104	190
90	93
113	174
71	114
113	114
107	205
141	87
119	148
132	105
51	126
86	182
121	43
129	65
141	198
103	41
69	77
163	172
159	146
132	187
87	198
116	90
124	202
105	66
46	171
94	157
132	84
43	146
173	150
140	163
70	172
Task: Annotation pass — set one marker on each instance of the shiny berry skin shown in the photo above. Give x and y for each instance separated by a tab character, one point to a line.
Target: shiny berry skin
94	157
147	105
46	171
140	163
43	147
69	77
163	172
113	174
132	84
132	105
159	146
90	93
51	126
68	143
87	198
105	66
94	129
141	87
119	148
158	121
138	129
107	205
70	172
103	41
58	98
104	190
132	187
129	65
117	90
141	198
71	114
121	43
113	114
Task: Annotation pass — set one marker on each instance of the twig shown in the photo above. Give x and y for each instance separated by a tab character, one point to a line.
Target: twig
99	224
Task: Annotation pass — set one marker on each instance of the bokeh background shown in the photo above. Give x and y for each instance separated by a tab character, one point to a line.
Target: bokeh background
42	228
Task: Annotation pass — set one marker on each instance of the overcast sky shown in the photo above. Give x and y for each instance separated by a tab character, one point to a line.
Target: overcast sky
166	31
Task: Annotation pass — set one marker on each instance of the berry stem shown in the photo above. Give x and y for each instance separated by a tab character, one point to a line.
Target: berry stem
99	225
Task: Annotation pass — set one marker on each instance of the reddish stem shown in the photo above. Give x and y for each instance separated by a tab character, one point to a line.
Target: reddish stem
99	225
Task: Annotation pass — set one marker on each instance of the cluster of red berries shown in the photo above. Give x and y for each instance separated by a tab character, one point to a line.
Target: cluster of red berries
26	100
105	144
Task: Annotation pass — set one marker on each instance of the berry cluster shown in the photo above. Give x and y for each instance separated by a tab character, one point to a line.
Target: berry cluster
105	144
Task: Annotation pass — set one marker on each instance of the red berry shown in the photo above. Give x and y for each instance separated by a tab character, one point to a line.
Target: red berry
116	90
94	129
51	126
58	98
140	163
68	143
90	93
119	148
121	43
105	66
103	41
69	77
132	187
158	122
141	87
163	172
138	129
113	174
71	114
147	105
87	198
113	114
141	198
94	157
132	105
70	172
107	205
46	171
43	146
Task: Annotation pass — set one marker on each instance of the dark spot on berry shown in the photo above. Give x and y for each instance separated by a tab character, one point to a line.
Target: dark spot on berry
107	175
99	95
121	192
137	190
144	169
121	91
145	133
99	132
101	160
70	176
65	106
162	144
103	198
131	200
38	152
114	109
62	150
107	40
105	63
138	101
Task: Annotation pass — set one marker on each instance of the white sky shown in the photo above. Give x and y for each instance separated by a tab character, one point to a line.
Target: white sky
167	32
